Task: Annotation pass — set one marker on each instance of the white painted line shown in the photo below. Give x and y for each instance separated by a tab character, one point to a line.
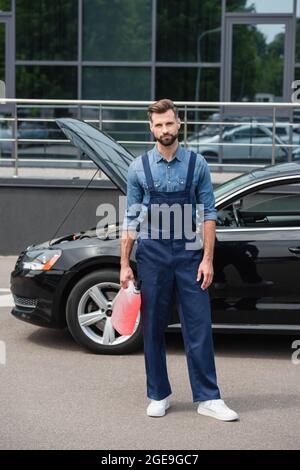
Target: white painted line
6	301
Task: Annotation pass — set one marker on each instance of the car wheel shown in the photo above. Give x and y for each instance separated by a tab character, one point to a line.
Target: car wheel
88	315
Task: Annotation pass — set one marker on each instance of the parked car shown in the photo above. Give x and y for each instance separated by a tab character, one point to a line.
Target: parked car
283	130
72	281
39	130
250	143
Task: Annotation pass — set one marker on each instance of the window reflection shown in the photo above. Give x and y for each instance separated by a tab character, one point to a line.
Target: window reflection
257	62
260	6
116	83
187	83
276	206
46	82
188	30
298	32
5	5
114	30
46	30
2	51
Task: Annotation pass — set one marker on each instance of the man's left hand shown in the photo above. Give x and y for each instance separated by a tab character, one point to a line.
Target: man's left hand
206	269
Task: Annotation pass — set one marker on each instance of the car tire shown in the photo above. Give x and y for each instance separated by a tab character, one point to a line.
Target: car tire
94	336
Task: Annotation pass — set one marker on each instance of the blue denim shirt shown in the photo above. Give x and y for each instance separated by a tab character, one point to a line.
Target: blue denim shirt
167	176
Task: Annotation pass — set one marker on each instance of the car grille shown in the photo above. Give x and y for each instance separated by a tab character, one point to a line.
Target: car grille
24	302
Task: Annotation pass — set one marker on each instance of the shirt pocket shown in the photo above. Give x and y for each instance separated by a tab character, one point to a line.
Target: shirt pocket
181	182
145	185
157	184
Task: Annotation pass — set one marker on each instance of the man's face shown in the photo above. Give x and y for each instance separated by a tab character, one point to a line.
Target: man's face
165	127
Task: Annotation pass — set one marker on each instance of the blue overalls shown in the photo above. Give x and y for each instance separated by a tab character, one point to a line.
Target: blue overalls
166	268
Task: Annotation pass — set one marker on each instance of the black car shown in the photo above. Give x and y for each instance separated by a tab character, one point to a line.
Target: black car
72	281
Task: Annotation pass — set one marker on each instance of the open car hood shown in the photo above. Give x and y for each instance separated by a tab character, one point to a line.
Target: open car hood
109	156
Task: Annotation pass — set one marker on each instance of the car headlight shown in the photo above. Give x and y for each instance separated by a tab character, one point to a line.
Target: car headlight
41	260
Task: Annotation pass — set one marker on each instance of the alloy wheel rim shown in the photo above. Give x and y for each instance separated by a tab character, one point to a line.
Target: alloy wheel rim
94	314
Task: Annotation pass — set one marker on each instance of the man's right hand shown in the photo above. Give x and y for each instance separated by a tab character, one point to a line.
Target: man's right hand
126	275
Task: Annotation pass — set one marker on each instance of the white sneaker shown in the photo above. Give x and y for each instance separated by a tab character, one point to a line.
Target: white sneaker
217	409
158	407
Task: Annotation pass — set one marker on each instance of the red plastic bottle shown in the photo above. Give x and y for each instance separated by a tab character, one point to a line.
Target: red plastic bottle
125	310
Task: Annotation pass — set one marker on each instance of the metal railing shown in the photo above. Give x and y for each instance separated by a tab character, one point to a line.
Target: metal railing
196	118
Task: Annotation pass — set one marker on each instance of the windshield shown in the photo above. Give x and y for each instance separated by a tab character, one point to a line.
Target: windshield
210	130
233	184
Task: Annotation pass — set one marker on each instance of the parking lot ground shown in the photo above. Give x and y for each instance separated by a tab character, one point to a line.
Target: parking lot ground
56	395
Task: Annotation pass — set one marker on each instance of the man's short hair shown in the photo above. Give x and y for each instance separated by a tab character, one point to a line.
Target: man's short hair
161	107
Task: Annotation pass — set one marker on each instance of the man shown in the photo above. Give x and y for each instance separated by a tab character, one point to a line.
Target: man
165	176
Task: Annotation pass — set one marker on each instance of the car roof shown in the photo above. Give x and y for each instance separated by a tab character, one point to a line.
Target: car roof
241	182
282	169
260	124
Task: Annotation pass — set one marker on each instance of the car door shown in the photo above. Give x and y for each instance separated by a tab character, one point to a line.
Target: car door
257	258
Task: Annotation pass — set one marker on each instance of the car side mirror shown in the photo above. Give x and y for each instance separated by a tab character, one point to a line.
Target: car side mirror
227	138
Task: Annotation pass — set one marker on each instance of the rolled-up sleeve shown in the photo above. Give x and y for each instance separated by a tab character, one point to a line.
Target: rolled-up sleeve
134	200
204	192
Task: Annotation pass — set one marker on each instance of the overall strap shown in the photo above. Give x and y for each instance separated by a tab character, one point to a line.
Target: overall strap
190	174
147	171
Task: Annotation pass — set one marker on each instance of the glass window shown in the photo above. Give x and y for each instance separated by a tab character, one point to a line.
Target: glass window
296	111
276	206
282	198
5	5
260	6
126	128
2	52
116	83
233	184
298	33
117	30
188	83
246	133
46	30
188	30
46	82
257	62
257	132
282	131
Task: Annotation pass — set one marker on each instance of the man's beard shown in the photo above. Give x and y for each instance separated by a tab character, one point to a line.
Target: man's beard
167	140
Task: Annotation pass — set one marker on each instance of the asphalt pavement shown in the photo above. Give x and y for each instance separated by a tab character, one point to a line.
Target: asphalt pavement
56	395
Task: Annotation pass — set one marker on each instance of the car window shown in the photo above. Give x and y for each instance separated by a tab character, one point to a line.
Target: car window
250	133
259	132
275	206
281	131
243	134
233	184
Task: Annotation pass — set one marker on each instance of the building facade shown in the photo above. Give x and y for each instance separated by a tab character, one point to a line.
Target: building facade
207	50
